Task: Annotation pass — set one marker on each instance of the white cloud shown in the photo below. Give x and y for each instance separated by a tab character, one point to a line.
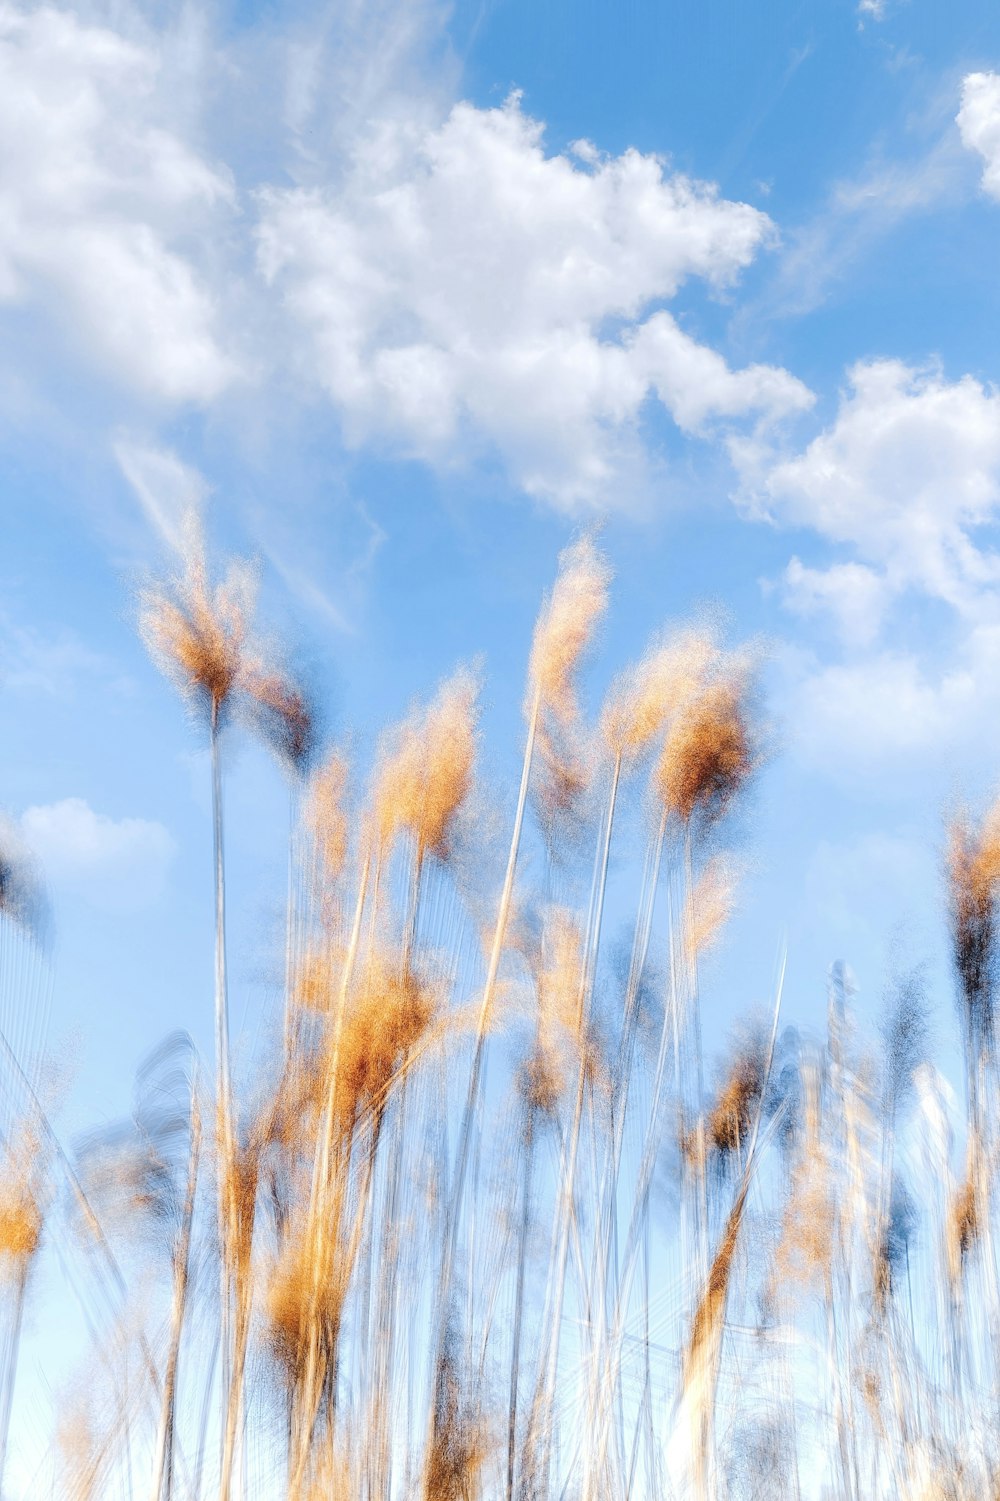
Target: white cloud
922	717
460	285
852	593
873	710
102	204
979	124
906	472
167	489
120	865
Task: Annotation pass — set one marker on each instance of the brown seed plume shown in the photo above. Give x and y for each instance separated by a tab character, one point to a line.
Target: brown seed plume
20	1222
299	1303
709	753
731	1117
805	1246
644	698
965	1212
21	1213
388	1013
196	631
425	771
973	872
281	711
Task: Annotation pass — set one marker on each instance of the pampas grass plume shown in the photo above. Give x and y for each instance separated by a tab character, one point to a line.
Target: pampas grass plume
425	771
195	631
709	753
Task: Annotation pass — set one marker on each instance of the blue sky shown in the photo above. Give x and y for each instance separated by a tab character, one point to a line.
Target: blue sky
405	294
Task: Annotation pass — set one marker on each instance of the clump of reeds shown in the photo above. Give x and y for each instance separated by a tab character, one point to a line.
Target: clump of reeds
453	1258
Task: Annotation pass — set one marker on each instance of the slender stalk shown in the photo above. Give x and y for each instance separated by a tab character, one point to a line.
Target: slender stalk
225	1134
454	1211
163	1468
318	1218
522	1255
568	1176
10	1372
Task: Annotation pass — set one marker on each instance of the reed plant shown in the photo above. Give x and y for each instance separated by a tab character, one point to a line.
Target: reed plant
491	1220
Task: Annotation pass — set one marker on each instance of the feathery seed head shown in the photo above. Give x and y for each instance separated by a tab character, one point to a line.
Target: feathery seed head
730	1118
20	1205
196	631
709	753
460	1442
973	871
301	1294
425	773
388	1013
281	711
565	628
965	1212
709	906
643	699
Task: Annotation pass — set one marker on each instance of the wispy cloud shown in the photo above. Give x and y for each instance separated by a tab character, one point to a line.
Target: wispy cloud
165	487
120	865
53	663
856	217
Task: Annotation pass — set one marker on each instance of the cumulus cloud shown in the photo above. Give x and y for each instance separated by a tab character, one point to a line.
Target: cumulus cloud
102	202
119	865
907	471
919	714
979	124
853	594
460	285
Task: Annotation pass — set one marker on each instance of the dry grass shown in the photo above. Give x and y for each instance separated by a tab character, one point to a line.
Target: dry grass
451	1252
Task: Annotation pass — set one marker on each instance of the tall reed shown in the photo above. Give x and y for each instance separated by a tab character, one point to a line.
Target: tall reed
502	1214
